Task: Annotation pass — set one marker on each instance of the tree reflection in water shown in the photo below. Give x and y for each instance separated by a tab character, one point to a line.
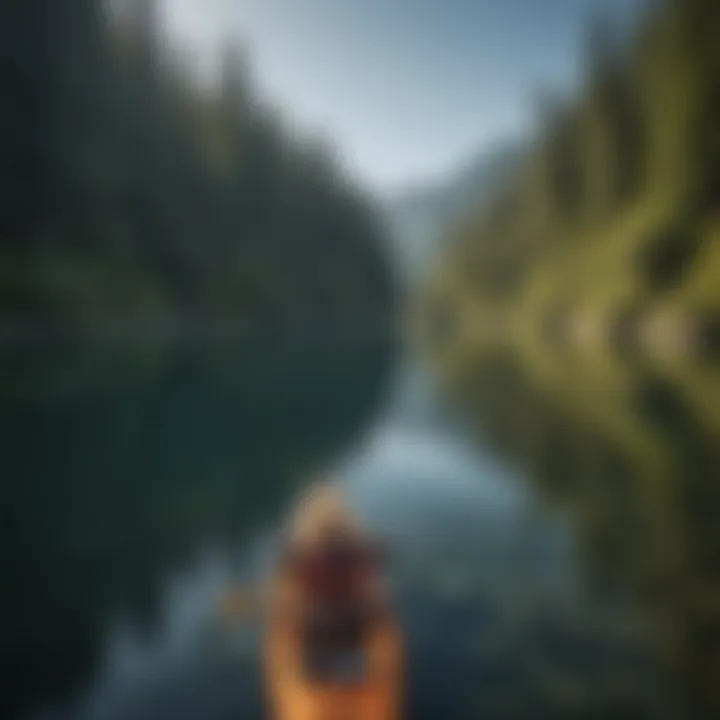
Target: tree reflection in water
119	468
629	452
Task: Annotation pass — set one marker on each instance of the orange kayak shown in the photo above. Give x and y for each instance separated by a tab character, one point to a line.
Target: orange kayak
293	694
376	696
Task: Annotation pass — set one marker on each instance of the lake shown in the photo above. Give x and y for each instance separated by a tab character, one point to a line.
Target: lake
140	485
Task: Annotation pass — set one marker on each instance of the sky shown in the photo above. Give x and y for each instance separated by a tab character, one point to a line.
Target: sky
406	90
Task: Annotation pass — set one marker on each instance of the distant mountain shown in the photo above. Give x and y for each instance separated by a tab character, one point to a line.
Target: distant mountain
418	217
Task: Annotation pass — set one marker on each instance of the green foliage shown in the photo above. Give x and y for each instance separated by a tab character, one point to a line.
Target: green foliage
617	204
128	191
583	307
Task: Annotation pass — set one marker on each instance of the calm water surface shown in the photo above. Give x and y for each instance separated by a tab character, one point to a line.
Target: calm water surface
139	486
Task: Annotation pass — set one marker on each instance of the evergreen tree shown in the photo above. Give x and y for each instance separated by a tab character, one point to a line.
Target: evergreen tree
128	193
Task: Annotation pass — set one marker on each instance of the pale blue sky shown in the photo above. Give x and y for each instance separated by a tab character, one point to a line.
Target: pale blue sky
406	89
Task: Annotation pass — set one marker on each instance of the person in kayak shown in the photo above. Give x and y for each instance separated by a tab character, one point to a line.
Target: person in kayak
334	565
326	564
331	644
332	574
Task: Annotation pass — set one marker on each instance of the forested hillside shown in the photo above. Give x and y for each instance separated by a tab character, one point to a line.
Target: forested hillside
609	233
134	200
576	317
422	215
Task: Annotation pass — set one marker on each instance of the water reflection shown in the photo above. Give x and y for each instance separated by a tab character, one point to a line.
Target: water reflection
500	623
120	469
497	619
628	450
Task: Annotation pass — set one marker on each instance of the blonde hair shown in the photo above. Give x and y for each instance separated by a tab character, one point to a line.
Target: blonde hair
321	507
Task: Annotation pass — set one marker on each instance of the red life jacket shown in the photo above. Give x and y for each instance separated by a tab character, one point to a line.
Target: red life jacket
335	573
